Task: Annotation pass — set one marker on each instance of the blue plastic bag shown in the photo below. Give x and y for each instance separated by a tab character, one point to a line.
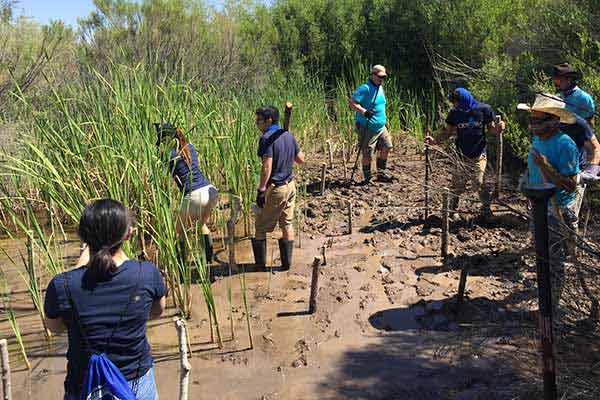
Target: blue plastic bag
104	381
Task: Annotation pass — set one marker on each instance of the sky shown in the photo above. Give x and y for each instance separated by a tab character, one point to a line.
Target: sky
67	10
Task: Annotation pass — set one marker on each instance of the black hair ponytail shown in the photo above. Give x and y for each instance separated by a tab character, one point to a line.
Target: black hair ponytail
103	226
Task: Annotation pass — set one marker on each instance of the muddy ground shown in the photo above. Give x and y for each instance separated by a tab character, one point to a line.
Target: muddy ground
386	326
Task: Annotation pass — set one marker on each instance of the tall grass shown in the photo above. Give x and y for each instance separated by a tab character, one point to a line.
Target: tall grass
96	139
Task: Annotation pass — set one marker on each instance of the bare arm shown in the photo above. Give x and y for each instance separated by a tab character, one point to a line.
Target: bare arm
568	183
265	173
354	106
158	307
299	158
592	148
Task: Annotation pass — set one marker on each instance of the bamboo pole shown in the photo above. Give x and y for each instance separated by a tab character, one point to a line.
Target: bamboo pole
6	381
499	155
426	182
330	151
349	218
323	176
183	358
345	167
445	222
314	286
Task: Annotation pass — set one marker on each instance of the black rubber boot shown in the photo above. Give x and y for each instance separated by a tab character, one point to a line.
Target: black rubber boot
259	248
286	248
367	173
382	174
208	248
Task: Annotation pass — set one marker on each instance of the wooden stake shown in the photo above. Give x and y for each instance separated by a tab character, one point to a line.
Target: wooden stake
287	115
330	150
445	222
323	254
499	155
349	218
344	161
323	175
6	382
183	358
314	286
426	182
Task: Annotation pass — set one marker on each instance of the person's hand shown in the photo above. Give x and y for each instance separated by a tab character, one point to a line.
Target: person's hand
260	198
590	174
540	159
368	114
501	126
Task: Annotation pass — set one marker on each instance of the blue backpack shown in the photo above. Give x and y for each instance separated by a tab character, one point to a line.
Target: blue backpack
103	379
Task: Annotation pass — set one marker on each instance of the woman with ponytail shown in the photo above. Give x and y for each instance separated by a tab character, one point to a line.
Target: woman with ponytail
200	196
106	301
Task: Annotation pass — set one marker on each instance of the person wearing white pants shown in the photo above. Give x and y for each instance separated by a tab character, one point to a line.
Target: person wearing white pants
200	196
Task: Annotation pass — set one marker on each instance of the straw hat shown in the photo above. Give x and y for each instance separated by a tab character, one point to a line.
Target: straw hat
550	104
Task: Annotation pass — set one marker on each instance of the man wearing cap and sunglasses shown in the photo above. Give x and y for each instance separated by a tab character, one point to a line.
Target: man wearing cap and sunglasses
368	101
554	158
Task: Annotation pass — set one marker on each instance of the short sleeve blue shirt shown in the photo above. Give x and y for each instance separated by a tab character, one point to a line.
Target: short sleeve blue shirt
282	147
370	96
562	154
579	102
470	128
100	306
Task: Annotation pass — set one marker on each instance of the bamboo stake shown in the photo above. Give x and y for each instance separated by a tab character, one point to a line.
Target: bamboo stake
235	210
323	175
445	222
183	358
349	218
314	286
426	182
344	161
330	150
323	255
499	156
6	381
35	281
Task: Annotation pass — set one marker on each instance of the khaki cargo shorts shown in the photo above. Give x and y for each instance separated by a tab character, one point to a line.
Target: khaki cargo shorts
371	141
279	208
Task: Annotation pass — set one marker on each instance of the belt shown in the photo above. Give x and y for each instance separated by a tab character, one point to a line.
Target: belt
277	184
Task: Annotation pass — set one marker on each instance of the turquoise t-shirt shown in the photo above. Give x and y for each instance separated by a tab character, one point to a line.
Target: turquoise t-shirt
562	154
579	102
370	96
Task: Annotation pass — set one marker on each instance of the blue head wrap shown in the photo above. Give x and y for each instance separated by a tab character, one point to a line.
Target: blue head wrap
466	101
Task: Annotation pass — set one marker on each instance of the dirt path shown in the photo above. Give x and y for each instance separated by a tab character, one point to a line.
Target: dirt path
385	326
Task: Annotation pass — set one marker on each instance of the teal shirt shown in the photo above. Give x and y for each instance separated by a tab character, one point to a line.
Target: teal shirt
579	102
562	154
370	96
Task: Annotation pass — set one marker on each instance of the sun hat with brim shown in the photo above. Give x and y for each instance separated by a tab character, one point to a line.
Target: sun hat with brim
550	104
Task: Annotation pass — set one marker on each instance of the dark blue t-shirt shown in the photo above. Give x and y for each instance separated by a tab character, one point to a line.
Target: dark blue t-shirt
283	148
99	307
580	132
470	126
188	178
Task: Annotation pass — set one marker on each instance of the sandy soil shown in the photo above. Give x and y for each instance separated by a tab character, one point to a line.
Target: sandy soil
386	326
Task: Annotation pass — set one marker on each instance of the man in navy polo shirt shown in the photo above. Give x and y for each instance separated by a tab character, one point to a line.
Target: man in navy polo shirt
276	192
468	120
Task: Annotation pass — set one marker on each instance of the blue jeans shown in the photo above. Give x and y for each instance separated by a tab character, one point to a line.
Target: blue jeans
144	388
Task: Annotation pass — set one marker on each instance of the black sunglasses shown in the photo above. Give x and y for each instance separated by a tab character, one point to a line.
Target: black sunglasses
382	77
540	120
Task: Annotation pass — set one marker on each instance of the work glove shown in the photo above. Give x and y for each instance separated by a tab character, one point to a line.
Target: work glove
368	114
590	174
260	198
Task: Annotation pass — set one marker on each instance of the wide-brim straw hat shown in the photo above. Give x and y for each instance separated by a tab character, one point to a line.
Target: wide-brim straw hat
379	70
550	104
